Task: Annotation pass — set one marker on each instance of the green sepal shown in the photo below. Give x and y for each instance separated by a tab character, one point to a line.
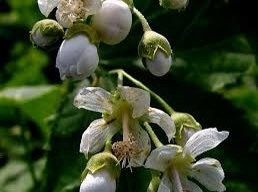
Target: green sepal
155	181
151	42
129	3
104	160
184	120
81	28
48	28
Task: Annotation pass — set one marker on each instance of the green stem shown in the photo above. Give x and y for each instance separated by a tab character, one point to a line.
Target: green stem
162	102
144	22
108	146
153	136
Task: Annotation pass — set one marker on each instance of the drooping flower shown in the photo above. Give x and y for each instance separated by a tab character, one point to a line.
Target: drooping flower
155	51
178	163
69	11
101	173
77	57
123	110
113	21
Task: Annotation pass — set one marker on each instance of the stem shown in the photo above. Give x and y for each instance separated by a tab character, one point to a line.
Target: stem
108	146
176	180
144	22
153	136
162	102
120	79
125	119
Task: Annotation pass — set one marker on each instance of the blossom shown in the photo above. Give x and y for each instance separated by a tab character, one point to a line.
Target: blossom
69	11
101	173
77	57
123	110
113	21
99	181
178	163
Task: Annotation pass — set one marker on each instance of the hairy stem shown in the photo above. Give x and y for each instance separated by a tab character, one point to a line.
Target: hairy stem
144	22
153	136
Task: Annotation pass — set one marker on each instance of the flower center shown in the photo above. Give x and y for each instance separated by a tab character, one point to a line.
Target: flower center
126	150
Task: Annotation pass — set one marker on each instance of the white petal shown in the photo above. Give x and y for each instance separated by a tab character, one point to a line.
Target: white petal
46	6
161	157
96	135
77	58
165	184
94	99
190	186
99	181
143	143
160	65
163	120
113	21
137	98
204	140
186	133
92	6
208	172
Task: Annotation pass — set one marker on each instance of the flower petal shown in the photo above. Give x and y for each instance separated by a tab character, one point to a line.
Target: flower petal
99	181
190	186
93	99
96	135
165	184
163	120
208	172
137	98
143	142
160	158
204	140
46	6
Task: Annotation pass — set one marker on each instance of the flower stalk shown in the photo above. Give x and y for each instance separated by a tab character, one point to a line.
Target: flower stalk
144	22
152	135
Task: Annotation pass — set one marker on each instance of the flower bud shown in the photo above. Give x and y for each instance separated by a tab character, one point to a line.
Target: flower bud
156	53
113	21
186	126
173	4
77	57
102	170
46	32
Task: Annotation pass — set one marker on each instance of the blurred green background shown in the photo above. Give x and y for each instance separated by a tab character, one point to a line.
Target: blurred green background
214	78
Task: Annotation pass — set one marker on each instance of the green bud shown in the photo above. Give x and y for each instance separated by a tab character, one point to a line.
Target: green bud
186	125
151	42
80	28
104	160
173	4
46	33
156	52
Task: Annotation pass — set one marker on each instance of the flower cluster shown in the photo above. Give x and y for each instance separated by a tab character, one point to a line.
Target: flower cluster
84	24
123	136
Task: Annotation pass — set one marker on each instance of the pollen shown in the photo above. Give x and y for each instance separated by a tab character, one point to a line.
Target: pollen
125	151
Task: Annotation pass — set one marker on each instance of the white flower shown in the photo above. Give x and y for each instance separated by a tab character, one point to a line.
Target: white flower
99	181
123	110
77	58
177	163
69	11
113	21
160	65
